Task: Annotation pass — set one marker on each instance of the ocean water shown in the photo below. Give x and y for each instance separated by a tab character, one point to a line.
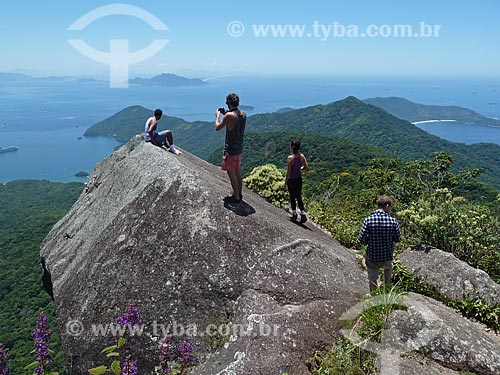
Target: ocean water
462	133
45	119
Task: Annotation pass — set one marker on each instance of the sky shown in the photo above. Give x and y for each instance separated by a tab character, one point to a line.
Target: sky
214	38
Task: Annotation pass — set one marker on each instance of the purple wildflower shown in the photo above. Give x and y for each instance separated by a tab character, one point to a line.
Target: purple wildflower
172	355
41	336
4	357
186	357
168	353
167	349
129	367
130	317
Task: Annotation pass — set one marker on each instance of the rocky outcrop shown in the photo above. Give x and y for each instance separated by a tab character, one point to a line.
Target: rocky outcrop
453	278
415	364
444	335
153	228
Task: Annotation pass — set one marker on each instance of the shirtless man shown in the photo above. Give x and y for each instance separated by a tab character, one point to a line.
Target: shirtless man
234	121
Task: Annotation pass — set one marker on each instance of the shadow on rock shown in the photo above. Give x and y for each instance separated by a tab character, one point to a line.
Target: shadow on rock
302	225
241	209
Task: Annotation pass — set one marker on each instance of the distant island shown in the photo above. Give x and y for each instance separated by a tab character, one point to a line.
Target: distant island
17	77
246	107
81	174
14	77
285	110
8	149
167	80
415	112
163	80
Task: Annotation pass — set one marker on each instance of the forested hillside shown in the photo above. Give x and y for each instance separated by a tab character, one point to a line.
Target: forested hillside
350	119
28	211
411	111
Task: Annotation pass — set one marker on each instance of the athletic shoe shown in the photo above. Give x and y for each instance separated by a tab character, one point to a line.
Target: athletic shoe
303	219
293	217
231	199
175	151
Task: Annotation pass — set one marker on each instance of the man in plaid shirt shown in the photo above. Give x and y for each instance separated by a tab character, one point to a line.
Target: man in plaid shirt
380	231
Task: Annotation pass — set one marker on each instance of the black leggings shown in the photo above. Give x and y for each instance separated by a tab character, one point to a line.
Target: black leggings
295	190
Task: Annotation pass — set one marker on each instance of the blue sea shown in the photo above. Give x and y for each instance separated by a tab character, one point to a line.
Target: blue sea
46	119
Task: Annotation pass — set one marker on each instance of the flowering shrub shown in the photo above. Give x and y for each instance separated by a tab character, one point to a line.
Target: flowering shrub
268	181
122	351
41	336
4	357
131	317
175	359
469	231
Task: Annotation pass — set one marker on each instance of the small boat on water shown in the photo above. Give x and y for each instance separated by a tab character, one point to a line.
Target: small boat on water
9	148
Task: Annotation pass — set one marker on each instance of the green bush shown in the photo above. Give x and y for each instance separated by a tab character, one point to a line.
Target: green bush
345	357
469	231
268	181
477	309
342	358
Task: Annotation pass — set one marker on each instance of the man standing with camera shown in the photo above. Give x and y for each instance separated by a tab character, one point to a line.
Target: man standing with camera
234	121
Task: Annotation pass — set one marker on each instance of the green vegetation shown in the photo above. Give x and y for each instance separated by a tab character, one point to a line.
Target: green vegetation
427	207
325	155
29	210
343	358
429	211
349	119
347	355
469	231
198	137
81	174
355	151
412	112
477	309
215	339
268	180
353	120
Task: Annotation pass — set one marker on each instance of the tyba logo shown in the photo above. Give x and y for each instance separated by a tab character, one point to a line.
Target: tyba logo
119	58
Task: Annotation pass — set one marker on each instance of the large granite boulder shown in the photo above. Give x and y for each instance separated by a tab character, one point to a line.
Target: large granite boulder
418	364
152	228
453	278
439	332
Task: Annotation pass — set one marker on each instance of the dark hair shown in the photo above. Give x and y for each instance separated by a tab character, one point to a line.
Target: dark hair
158	113
384	201
233	100
295	145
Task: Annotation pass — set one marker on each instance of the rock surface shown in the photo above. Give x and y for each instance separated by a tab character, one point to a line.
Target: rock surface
415	364
153	228
455	279
441	333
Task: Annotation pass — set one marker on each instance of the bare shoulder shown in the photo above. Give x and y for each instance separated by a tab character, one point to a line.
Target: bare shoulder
230	115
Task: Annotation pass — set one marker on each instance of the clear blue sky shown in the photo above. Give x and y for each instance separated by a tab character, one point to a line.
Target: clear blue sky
34	37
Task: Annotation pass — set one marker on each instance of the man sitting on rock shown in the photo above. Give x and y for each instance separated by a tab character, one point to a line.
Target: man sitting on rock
159	139
380	231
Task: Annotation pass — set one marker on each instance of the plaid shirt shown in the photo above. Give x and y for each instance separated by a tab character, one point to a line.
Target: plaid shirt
380	231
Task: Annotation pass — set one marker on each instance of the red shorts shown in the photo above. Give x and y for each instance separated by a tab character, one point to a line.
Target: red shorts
231	163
